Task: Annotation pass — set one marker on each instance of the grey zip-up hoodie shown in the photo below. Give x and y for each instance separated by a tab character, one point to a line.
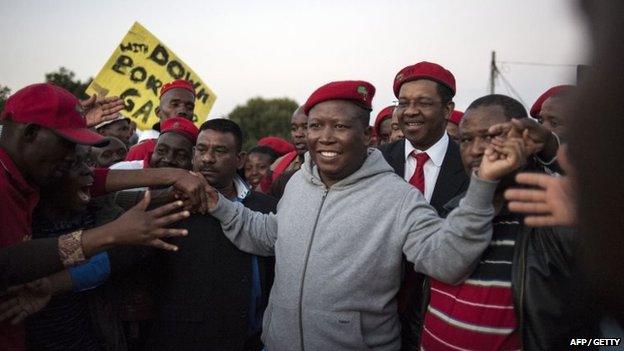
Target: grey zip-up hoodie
338	253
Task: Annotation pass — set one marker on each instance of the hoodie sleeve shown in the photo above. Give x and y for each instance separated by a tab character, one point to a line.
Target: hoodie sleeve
251	231
448	249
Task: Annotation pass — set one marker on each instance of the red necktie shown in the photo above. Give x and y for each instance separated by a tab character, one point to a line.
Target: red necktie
418	178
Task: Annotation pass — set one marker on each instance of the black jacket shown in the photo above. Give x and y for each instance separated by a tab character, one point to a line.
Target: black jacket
549	300
452	179
203	291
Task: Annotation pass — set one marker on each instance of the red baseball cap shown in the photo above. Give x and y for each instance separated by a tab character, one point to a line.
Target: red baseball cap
383	115
424	70
357	91
279	145
536	109
182	126
177	84
51	107
456	117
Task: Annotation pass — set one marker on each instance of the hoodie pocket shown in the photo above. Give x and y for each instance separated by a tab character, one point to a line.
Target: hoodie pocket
324	330
281	328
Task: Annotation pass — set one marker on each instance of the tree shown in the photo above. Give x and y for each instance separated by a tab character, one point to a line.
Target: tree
65	78
261	117
4	95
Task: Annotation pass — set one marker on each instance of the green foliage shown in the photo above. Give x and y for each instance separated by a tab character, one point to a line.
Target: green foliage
4	95
261	117
65	78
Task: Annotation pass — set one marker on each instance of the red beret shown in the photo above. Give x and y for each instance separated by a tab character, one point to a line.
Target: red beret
182	126
424	70
383	115
357	91
456	117
279	145
537	106
177	84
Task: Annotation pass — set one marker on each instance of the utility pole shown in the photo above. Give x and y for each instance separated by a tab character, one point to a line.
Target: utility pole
493	73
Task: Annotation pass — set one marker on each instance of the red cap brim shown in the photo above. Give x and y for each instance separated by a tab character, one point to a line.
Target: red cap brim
82	136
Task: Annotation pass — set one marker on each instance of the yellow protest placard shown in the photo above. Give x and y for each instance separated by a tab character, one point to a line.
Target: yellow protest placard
136	71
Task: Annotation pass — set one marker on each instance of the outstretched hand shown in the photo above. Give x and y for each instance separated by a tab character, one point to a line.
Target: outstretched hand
141	227
25	300
550	204
551	201
98	111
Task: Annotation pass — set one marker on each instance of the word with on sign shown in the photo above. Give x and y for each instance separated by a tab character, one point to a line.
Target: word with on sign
136	71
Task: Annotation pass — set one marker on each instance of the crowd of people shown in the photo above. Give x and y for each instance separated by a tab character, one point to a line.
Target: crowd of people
495	228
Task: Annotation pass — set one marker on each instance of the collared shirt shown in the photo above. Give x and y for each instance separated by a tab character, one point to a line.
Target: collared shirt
431	168
18	199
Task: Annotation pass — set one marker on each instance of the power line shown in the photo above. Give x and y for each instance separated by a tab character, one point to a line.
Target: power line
510	87
543	64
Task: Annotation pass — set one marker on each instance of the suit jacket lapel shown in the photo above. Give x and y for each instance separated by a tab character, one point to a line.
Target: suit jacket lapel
397	158
452	179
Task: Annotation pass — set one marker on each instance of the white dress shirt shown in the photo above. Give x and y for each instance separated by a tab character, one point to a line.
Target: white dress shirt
431	168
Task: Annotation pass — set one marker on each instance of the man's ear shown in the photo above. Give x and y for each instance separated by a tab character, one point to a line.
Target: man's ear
157	110
241	157
368	133
449	107
30	132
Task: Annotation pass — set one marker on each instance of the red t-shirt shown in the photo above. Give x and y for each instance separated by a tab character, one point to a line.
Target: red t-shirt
18	199
141	150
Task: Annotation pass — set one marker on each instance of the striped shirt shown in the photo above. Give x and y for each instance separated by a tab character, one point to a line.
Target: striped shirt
479	313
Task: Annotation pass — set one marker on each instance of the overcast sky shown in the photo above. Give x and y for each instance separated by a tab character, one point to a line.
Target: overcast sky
273	48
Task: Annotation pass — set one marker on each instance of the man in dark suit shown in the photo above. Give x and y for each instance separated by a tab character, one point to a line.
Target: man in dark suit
427	158
425	92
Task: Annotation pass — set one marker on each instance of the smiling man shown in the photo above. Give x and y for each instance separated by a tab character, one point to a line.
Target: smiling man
338	261
174	147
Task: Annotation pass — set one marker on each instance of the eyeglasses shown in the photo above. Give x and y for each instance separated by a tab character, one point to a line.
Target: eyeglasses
422	105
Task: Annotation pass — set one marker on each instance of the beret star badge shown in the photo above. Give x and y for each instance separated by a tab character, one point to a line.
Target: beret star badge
362	91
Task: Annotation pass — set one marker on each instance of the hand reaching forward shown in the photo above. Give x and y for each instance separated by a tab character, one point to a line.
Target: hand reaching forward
25	300
138	227
98	111
551	204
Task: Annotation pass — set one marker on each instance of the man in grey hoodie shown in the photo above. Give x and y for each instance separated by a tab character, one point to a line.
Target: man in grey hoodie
338	263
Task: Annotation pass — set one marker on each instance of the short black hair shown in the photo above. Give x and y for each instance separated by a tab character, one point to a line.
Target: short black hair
363	115
512	108
261	149
224	125
446	94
